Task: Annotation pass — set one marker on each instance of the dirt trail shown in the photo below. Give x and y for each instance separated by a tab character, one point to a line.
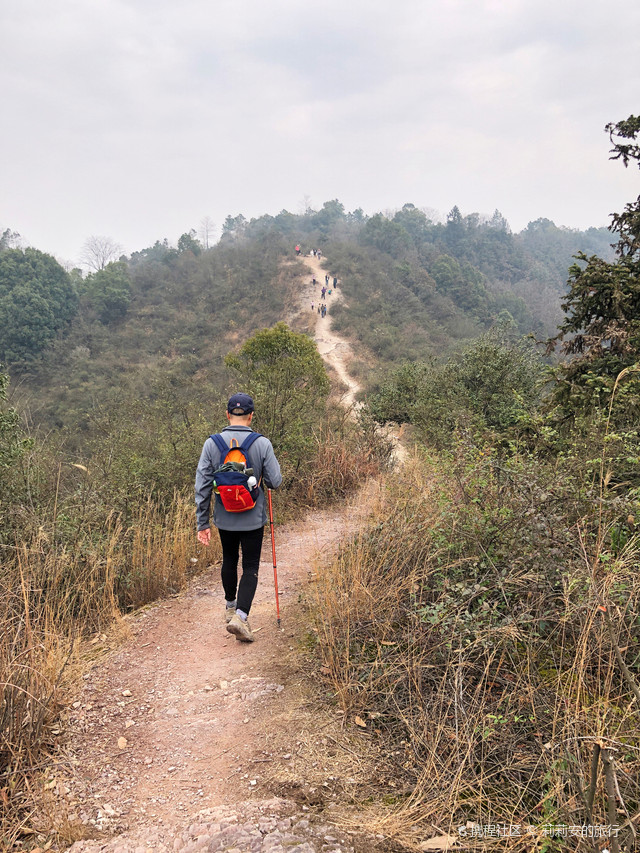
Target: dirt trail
335	350
338	352
192	704
180	718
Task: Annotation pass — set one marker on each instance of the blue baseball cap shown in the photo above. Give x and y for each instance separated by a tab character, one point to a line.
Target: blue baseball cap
240	404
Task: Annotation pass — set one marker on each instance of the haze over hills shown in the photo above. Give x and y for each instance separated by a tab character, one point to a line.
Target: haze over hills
413	288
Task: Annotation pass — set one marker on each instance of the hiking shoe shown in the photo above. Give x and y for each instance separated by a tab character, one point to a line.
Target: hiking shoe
240	630
229	613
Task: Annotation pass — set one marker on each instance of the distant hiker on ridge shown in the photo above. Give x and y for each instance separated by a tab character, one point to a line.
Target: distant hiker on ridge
297	249
239	512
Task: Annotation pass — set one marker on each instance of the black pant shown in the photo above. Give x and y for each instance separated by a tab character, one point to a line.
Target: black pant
251	543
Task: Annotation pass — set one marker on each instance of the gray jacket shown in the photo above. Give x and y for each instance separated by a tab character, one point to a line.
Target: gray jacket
267	472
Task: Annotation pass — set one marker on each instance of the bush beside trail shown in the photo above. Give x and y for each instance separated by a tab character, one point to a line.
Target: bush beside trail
484	627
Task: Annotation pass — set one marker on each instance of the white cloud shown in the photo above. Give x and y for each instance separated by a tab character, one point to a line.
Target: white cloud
137	118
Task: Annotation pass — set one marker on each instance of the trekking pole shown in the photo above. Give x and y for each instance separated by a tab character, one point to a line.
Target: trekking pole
273	551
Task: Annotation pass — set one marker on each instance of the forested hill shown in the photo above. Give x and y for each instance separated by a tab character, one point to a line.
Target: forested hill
165	317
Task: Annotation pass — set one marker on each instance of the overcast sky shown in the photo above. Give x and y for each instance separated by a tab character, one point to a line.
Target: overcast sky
134	119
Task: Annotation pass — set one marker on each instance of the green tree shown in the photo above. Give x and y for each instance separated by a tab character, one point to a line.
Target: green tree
37	298
285	374
492	383
234	227
188	243
455	226
331	213
413	221
502	375
9	239
11	442
385	235
463	283
109	291
602	326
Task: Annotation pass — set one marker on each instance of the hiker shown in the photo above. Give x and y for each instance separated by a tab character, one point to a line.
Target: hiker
297	250
335	282
312	306
323	291
318	254
329	292
326	280
239	529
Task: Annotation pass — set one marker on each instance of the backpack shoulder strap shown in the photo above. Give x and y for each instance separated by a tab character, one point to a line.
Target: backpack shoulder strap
246	444
221	444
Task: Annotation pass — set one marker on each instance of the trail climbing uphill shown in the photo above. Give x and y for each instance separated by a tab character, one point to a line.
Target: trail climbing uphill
335	350
338	352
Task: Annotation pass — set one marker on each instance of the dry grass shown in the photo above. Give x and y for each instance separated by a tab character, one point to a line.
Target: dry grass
52	596
474	644
346	455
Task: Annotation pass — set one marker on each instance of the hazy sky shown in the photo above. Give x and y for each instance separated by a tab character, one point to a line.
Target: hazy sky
135	119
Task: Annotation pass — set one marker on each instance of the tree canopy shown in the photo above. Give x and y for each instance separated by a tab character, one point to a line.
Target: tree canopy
601	330
109	291
285	374
37	298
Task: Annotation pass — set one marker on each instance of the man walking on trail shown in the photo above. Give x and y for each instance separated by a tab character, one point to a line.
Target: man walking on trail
241	530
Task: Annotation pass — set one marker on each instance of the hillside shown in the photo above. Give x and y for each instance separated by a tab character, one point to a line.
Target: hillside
161	321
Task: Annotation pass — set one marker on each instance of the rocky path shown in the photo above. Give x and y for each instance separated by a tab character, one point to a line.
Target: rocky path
170	740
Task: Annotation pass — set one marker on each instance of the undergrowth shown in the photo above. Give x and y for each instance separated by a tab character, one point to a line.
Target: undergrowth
484	627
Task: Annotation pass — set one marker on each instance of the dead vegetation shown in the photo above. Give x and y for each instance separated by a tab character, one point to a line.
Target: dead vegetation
53	598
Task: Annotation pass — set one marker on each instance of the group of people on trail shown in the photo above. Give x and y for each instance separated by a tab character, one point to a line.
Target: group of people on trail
327	280
325	291
239	511
313	253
